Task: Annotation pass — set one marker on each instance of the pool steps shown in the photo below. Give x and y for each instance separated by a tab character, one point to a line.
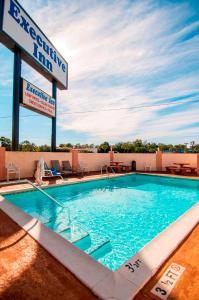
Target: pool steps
56	226
83	243
94	246
100	249
42	219
74	234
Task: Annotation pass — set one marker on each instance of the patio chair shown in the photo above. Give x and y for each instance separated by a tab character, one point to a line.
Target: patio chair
147	167
48	172
12	169
66	167
56	165
51	173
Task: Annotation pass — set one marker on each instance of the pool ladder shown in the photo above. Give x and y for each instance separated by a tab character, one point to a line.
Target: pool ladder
81	238
41	191
51	198
107	168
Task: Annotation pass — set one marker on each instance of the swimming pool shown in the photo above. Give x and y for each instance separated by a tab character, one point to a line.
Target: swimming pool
112	218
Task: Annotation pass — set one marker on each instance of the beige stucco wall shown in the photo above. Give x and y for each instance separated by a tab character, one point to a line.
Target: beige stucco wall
140	158
93	161
26	160
169	158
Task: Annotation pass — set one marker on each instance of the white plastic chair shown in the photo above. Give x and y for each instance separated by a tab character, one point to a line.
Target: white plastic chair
12	169
147	167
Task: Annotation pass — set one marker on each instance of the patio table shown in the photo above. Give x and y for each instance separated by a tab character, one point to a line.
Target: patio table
116	163
181	164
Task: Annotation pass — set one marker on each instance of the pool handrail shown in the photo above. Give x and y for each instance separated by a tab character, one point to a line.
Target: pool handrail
46	194
41	191
106	167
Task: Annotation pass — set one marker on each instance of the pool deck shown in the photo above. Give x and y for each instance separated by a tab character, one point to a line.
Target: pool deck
28	271
187	288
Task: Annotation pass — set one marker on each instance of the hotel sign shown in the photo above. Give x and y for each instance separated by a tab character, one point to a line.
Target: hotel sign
17	28
35	99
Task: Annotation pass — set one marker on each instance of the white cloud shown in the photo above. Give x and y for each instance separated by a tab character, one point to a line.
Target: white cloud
122	54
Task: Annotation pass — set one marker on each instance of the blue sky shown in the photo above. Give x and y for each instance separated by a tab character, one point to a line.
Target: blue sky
121	55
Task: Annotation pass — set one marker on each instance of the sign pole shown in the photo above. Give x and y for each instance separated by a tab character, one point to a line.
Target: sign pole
54	119
16	99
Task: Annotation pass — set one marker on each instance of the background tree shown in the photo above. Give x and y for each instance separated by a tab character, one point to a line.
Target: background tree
27	146
104	148
67	145
44	148
6	142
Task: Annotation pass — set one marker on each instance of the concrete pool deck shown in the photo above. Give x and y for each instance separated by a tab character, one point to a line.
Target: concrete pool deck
28	271
187	255
149	296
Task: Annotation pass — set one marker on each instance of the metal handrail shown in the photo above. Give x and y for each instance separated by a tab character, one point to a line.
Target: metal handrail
46	194
41	191
106	169
51	198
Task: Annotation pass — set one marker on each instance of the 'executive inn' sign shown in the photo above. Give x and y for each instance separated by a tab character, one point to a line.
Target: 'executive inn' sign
20	34
18	28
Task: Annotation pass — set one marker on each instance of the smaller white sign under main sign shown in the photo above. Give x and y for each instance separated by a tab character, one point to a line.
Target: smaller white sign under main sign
166	283
37	100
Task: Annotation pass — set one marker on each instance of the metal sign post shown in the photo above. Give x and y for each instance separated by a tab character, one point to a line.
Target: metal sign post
16	98
54	119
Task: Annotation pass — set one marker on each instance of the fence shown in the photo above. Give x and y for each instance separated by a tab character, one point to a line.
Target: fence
93	161
140	158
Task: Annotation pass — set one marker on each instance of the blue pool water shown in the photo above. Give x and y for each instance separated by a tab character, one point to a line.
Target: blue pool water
112	218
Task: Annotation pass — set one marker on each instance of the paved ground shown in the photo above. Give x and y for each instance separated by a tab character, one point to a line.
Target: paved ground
27	271
187	288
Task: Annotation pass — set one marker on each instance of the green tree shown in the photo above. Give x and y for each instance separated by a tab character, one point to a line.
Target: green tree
67	145
126	147
28	147
180	148
44	148
195	148
104	148
6	142
164	147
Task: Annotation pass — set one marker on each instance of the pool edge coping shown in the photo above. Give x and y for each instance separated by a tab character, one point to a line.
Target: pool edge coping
121	284
65	183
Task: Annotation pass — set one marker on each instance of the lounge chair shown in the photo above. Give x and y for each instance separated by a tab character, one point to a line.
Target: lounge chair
66	167
48	172
56	165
